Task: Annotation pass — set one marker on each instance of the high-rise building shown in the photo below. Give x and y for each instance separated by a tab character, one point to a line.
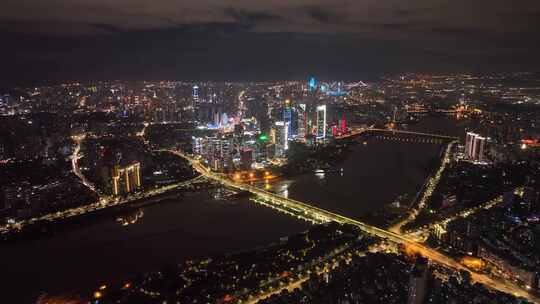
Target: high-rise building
287	117
281	135
321	122
126	179
195	95
343	125
312	84
197	144
302	121
246	158
475	147
216	152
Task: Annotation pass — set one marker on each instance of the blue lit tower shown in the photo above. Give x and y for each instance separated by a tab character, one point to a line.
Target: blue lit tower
312	84
287	117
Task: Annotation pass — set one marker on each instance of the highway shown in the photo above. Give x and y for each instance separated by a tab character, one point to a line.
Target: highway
428	190
75	162
102	203
421	233
327	216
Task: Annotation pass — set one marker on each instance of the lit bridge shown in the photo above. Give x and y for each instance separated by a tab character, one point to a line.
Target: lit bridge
319	215
356	132
432	135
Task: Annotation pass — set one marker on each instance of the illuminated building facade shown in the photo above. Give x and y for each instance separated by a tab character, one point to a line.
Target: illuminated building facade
343	125
281	135
475	147
195	95
321	122
302	121
287	117
216	152
312	84
126	179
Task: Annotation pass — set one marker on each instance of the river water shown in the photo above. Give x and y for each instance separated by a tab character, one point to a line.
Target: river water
374	174
199	225
168	232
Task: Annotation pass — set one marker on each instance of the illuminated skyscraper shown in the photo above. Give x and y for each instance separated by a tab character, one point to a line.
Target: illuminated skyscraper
281	134
126	179
312	84
343	125
302	121
217	152
195	95
287	117
321	122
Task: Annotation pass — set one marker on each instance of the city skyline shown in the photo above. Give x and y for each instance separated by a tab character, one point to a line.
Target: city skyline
270	152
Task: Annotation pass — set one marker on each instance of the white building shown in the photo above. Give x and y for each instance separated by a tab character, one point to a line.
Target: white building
475	147
281	135
321	122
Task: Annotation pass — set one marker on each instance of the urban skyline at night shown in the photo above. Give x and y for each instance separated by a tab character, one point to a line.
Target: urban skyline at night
270	152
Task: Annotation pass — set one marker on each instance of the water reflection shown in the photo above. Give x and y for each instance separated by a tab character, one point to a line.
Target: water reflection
130	218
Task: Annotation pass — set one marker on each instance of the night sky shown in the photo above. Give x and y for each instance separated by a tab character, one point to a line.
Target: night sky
56	40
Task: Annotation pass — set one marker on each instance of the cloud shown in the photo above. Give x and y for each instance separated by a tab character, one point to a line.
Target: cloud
106	27
322	15
250	17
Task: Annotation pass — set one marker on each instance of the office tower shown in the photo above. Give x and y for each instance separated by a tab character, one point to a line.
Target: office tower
281	135
287	117
312	84
126	179
321	122
302	121
195	95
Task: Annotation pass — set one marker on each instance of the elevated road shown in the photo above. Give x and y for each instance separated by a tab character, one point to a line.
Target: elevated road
414	133
328	216
360	131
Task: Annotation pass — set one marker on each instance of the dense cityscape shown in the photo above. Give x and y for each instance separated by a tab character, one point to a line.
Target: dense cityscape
464	229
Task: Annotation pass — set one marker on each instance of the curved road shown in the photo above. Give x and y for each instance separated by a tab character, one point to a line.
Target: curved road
496	284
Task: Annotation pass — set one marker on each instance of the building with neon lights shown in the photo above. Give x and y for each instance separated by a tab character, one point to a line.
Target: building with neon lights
312	84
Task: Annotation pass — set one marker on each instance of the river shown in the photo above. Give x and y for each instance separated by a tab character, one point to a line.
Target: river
168	232
199	225
374	174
